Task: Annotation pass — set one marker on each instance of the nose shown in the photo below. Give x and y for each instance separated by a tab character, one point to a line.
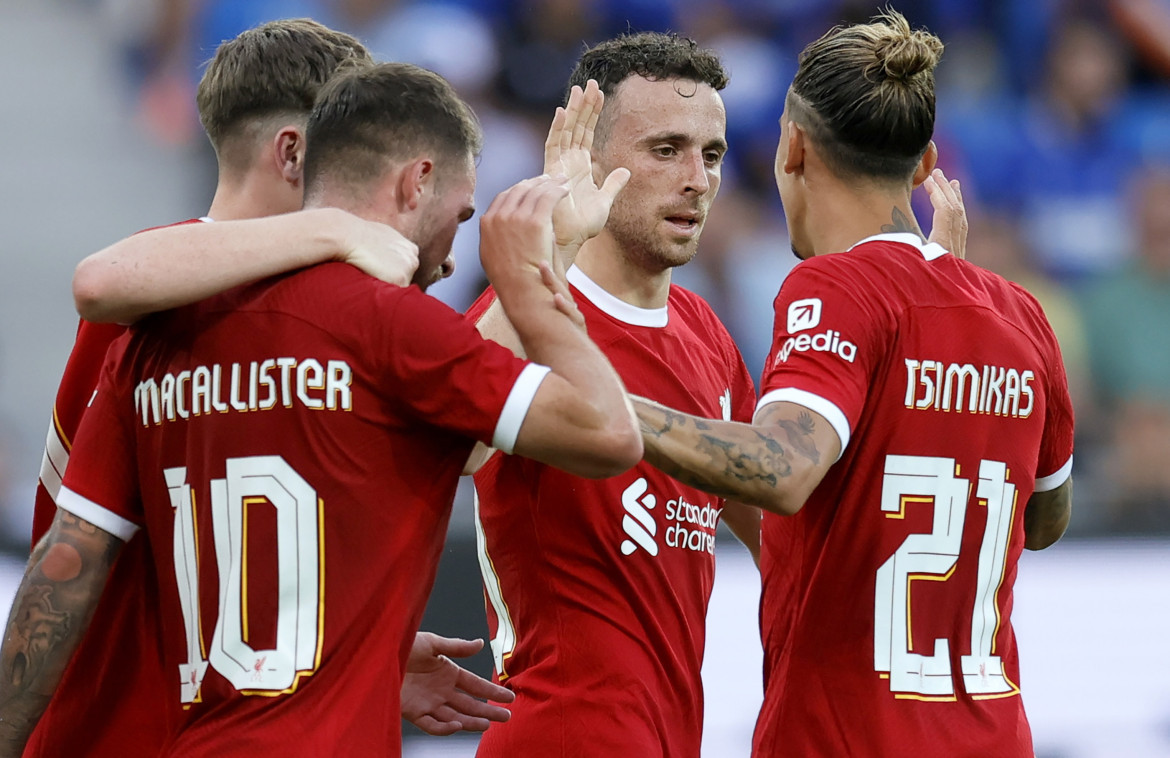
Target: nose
447	267
697	179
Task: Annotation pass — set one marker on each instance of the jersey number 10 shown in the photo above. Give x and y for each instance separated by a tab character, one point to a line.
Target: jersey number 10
253	481
932	557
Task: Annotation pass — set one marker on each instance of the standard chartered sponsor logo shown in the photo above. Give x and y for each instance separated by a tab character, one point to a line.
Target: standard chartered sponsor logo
638	524
690	526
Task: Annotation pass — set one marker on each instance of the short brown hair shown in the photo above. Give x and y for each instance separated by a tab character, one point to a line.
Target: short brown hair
865	95
275	69
369	115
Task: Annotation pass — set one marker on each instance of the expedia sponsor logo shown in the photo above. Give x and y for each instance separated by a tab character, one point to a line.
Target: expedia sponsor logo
804	314
825	342
689	526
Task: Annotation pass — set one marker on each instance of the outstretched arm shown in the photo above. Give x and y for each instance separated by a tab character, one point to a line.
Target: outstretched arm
440	697
774	463
176	265
61	587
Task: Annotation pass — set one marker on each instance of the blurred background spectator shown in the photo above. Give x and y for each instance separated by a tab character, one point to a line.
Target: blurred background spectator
1054	113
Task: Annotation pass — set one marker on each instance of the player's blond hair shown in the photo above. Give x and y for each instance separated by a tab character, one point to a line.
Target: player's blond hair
273	71
865	96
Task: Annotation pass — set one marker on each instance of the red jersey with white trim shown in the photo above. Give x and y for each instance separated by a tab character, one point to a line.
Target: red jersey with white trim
597	590
886	608
107	704
292	449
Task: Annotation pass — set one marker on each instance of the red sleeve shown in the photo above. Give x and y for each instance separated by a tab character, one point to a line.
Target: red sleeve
1056	447
475	312
78	383
448	375
101	484
743	392
824	346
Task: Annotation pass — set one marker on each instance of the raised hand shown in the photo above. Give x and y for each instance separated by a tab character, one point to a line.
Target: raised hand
440	697
381	251
948	226
516	233
567	151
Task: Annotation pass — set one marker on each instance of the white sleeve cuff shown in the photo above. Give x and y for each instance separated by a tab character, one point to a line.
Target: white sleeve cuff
1052	481
99	516
815	403
516	406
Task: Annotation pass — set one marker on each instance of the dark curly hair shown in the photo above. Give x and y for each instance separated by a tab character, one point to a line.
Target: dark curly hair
653	55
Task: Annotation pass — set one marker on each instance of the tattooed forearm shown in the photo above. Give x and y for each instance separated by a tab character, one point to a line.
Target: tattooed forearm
60	589
800	436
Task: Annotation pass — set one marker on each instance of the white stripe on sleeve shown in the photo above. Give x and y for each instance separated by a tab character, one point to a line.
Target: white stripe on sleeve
816	403
98	515
53	463
1052	481
517	405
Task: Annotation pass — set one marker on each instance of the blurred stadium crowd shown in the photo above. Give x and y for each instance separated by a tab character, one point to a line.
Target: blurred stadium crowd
1055	115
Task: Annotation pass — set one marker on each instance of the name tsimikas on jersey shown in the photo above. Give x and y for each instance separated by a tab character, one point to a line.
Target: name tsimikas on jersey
692	527
994	390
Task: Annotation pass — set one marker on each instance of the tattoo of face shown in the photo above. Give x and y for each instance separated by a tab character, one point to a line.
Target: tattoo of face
39	627
902	223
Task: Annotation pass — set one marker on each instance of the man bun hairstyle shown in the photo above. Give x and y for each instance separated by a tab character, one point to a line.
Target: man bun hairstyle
865	96
275	69
372	114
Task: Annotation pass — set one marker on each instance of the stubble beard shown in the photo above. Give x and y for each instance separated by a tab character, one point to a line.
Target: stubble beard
641	240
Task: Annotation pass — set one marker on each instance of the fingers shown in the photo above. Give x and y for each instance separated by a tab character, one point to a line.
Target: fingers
552	143
468	708
436	728
615	182
572	117
454	647
596	99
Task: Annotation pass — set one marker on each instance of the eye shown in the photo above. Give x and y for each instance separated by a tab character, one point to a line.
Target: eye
713	157
666	151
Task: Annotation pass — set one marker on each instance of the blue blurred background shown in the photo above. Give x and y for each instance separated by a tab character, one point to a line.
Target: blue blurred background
1055	114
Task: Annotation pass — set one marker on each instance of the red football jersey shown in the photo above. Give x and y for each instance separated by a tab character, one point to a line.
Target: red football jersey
292	449
597	590
886	608
107	704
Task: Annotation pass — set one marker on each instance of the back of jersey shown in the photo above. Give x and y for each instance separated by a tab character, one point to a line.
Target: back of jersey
887	599
296	449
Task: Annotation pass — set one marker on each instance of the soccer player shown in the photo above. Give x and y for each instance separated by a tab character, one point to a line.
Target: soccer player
598	589
292	447
254	101
914	434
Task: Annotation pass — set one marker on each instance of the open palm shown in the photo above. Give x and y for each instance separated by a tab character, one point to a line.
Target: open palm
582	214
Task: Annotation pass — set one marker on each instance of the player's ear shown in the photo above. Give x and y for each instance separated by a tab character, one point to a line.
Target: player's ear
797	144
413	181
926	165
289	154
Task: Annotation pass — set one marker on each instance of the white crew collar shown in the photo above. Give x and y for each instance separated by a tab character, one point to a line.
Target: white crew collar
206	219
929	251
612	306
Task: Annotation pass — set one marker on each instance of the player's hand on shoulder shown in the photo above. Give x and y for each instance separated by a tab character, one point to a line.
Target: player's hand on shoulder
381	251
568	150
516	232
948	226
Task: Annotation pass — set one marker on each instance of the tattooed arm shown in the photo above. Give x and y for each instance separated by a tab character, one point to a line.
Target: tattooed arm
1046	516
60	589
774	463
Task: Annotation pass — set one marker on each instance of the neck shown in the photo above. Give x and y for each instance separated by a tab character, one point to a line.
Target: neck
846	215
621	275
252	196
